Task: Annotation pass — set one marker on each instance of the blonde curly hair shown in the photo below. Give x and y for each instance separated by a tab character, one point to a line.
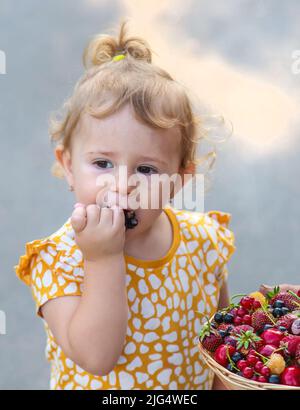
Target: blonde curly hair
106	85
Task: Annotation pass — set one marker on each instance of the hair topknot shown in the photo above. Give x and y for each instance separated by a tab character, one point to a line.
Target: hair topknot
103	47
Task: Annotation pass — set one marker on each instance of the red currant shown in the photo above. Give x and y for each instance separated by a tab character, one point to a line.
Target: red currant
252	360
262	379
265	371
238	320
242	312
247	320
256	304
248	372
258	366
241	364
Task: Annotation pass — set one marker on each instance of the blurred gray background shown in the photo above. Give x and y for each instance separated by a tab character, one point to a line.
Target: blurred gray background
43	44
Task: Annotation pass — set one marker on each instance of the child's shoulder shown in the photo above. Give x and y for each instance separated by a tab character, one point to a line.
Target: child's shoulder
213	218
60	243
207	234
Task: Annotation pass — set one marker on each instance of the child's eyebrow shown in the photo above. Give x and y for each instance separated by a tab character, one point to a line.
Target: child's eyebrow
112	154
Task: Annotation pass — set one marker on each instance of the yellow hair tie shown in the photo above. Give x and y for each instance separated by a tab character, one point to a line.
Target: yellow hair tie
118	57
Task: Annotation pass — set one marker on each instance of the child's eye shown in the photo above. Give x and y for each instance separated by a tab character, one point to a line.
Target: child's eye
102	163
145	169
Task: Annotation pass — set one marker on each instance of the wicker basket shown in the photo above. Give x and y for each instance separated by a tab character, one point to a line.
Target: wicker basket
233	381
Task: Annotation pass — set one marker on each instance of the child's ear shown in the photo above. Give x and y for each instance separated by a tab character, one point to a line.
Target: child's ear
63	157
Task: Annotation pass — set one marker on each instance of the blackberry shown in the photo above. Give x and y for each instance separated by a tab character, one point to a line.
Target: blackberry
130	219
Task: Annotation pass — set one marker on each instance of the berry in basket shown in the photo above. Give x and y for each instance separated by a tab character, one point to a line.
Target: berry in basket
257	338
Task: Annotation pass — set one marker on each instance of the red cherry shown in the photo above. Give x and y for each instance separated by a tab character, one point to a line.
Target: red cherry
220	354
258	366
248	372
265	371
252	360
272	336
247	320
237	320
242	311
255	377
298	293
262	379
291	376
241	364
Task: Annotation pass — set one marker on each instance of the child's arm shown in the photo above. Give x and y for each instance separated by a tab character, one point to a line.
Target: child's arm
91	328
223	302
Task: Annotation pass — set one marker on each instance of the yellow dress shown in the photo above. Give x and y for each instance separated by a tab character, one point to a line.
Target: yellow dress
168	300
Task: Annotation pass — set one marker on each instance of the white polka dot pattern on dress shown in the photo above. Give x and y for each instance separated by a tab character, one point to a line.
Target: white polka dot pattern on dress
167	302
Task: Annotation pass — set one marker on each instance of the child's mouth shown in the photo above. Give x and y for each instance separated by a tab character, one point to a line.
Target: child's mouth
130	219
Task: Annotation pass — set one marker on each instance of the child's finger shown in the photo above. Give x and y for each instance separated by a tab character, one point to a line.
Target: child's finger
78	218
118	216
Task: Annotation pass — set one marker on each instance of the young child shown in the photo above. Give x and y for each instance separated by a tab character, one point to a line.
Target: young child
122	308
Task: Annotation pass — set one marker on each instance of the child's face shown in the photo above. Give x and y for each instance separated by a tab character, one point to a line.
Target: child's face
101	146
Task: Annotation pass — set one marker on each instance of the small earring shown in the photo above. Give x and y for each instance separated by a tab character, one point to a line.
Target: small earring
71	188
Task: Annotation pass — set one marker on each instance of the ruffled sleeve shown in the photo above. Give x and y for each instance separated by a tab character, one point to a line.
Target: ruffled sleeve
222	243
51	270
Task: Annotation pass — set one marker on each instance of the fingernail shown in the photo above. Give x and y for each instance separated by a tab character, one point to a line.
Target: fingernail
78	204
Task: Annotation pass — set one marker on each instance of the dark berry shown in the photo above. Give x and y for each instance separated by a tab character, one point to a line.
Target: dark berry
231	368
277	312
266	327
285	310
282	329
278	304
274	379
218	317
236	357
228	318
130	219
222	333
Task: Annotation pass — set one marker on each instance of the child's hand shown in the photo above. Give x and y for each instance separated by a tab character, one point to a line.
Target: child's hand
99	232
264	289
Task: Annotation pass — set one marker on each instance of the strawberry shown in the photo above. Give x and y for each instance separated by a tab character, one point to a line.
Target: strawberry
290	299
210	338
260	319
